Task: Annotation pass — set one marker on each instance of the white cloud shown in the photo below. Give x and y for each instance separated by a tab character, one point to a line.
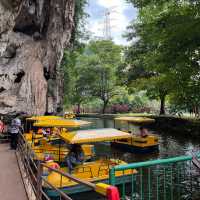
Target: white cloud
110	3
119	21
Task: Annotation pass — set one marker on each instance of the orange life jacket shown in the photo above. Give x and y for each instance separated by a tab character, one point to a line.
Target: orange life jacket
39	131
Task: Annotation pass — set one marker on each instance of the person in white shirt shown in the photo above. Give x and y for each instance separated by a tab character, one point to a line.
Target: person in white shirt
15	129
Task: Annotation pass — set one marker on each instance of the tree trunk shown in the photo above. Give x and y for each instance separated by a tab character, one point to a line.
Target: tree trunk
33	35
162	105
78	108
105	103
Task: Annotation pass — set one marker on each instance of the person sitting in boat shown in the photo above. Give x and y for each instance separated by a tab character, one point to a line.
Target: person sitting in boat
143	132
56	131
40	131
49	161
75	157
46	132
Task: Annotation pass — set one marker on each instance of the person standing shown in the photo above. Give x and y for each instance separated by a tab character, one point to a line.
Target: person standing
1	125
15	129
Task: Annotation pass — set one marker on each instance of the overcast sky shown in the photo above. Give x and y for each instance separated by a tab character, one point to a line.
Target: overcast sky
123	14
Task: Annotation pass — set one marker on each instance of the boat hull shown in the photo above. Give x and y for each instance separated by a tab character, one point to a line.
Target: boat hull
135	149
82	188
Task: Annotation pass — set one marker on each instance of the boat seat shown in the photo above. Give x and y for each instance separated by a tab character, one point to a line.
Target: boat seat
103	168
84	169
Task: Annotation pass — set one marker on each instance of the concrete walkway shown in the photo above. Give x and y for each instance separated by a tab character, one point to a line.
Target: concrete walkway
11	185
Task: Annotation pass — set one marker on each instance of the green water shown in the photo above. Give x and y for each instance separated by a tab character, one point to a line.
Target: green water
171	144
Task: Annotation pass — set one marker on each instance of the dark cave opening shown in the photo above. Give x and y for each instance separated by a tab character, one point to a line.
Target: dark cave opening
2	89
28	29
46	73
19	77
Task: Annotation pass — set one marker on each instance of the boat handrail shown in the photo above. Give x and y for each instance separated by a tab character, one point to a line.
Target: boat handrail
51	150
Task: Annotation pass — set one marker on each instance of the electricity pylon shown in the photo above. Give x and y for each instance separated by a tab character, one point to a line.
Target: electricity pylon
107	35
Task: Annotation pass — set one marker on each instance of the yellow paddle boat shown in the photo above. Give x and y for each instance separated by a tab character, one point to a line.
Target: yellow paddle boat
33	133
67	123
95	171
59	125
136	120
69	116
29	131
58	150
52	144
139	142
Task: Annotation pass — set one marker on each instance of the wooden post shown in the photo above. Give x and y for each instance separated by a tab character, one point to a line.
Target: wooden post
39	182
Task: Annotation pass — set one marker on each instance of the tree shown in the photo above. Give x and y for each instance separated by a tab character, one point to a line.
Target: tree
167	44
156	87
104	85
82	81
94	72
94	79
138	75
109	56
186	99
72	91
33	34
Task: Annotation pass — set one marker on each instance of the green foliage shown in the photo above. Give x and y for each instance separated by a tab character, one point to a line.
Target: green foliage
144	3
123	98
165	57
90	73
139	100
108	52
97	68
79	32
70	77
71	54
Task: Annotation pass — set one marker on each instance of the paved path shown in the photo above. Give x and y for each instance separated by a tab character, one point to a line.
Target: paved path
11	185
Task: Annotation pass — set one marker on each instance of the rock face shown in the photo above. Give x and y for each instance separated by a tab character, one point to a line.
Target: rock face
33	35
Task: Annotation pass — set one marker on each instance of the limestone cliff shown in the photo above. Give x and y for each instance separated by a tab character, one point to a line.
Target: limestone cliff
33	35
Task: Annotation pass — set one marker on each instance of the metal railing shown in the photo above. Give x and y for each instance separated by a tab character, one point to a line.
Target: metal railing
164	179
4	137
32	170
